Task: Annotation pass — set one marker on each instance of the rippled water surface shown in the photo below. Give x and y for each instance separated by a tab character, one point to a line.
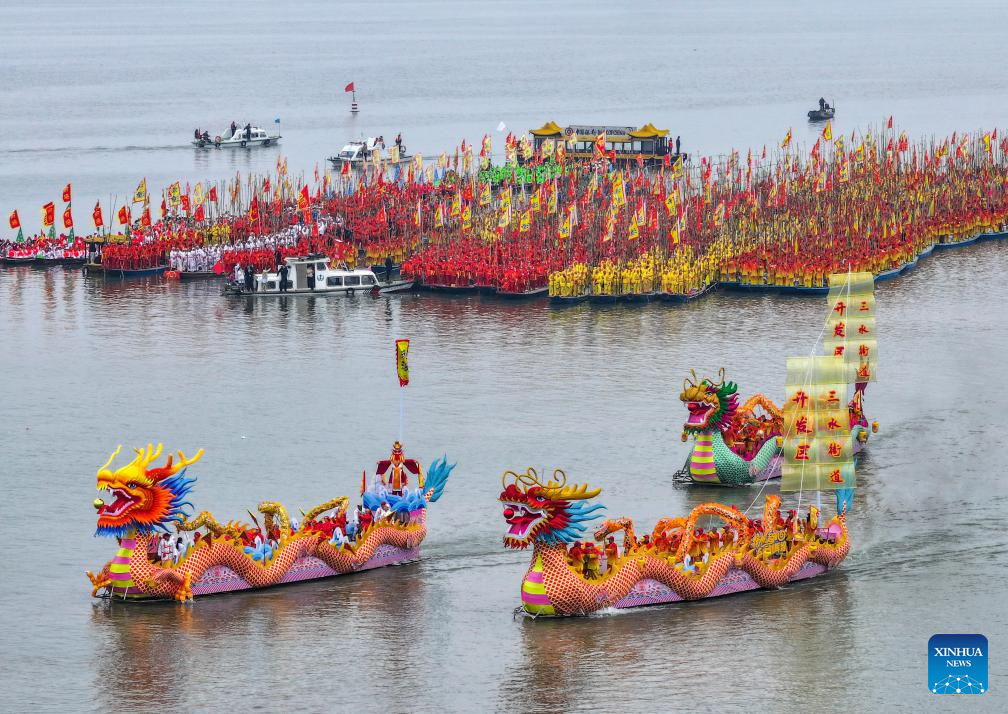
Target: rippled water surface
292	399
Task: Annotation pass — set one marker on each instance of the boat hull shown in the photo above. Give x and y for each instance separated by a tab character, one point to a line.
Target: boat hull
241	144
115	273
651	592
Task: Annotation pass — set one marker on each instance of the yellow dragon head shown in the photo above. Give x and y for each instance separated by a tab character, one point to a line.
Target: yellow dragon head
145	499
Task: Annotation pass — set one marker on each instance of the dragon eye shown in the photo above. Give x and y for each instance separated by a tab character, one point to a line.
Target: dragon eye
131	484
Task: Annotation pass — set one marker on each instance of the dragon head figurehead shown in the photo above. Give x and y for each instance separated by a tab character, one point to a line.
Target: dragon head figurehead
550	513
145	499
711	406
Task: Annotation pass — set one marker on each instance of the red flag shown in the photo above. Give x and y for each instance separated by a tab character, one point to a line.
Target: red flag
199	215
184	198
67	216
304	199
96	214
889	125
124	216
253	212
345	170
164	208
349	88
640	161
213	194
145	221
48	214
66	194
14	220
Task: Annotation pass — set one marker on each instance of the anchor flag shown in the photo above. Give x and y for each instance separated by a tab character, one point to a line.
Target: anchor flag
67	216
402	363
96	214
14	220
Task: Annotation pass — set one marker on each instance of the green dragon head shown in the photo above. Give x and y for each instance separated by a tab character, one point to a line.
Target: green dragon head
711	406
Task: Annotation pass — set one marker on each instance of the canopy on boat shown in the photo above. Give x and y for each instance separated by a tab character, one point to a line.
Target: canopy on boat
649	131
550	128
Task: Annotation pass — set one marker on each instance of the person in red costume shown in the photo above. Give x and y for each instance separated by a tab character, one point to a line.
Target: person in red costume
398	467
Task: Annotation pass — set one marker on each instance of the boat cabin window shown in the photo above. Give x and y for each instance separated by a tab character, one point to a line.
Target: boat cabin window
271	284
352	280
367	280
334	281
320	266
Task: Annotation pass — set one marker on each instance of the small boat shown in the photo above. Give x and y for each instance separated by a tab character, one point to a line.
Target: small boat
360	152
455	289
241	138
197	275
124	273
823	114
313	275
166	554
523	295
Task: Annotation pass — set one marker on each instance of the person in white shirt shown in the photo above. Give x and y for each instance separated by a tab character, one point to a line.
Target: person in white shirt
382	512
239	274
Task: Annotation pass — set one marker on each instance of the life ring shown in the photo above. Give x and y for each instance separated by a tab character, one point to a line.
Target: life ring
350	292
267	142
243	144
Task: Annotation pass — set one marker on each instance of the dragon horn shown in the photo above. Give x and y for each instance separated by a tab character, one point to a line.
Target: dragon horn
110	460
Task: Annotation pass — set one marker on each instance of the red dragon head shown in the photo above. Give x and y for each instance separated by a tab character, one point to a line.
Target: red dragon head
144	499
552	513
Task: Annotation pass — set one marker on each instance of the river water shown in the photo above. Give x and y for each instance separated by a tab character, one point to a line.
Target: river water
292	399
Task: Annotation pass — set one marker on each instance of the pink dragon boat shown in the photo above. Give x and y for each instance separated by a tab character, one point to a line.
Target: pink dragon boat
163	554
677	561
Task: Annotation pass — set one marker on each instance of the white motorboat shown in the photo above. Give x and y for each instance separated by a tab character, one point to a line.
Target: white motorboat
360	152
243	137
313	275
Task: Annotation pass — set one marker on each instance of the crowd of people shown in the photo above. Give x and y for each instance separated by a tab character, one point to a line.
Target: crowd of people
602	227
596	559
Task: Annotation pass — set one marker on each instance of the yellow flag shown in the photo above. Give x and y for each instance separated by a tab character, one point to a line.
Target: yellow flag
618	192
402	363
467	217
198	193
526	221
827	133
456	207
140	195
552	203
534	203
670	202
565	227
484	197
786	141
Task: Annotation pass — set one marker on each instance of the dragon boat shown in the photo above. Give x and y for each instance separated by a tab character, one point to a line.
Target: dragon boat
737	445
814	449
677	561
151	509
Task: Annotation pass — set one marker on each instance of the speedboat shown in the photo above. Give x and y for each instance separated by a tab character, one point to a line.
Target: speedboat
360	151
241	138
325	279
